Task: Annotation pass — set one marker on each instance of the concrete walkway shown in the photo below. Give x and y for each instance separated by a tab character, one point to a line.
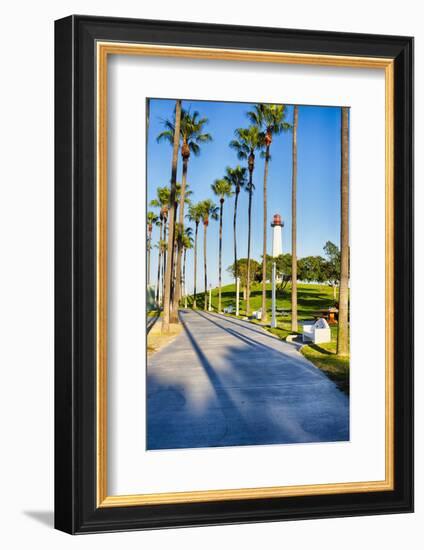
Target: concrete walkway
224	381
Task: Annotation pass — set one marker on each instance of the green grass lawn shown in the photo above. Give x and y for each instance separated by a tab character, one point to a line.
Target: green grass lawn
154	313
325	358
310	299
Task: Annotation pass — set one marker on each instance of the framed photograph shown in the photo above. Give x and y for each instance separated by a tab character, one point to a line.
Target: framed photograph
234	274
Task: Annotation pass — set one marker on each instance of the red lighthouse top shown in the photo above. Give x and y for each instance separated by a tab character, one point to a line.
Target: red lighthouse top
276	220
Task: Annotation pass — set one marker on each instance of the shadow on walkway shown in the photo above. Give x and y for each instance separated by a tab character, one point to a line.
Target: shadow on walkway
217	387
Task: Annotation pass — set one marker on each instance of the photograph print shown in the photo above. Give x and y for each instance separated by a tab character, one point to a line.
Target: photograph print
247	274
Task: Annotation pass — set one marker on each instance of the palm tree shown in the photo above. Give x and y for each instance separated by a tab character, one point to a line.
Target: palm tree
343	330
294	326
248	140
236	177
208	210
177	239
187	242
188	194
165	249
192	135
162	199
195	216
151	220
162	202
161	246
148	112
169	267
222	189
270	118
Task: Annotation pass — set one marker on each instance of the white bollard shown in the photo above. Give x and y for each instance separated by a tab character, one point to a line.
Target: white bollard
210	299
237	296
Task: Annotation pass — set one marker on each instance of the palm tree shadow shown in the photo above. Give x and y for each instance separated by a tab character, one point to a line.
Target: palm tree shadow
259	331
320	349
45	517
258	345
155	438
240	407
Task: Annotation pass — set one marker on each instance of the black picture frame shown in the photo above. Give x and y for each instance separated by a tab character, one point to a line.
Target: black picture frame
75	275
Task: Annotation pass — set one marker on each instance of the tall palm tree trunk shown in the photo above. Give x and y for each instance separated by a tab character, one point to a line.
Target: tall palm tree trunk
195	265
174	256
149	247
164	257
177	290
147	113
205	267
249	228
159	262
264	312
168	275
220	254
294	326
184	289
235	237
173	279
343	330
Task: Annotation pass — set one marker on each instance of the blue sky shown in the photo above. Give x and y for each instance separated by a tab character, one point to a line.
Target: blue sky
318	199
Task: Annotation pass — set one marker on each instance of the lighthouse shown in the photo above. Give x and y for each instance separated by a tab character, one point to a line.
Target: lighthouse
277	249
277	226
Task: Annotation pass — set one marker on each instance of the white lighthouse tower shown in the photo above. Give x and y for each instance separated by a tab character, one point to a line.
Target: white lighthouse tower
277	249
277	226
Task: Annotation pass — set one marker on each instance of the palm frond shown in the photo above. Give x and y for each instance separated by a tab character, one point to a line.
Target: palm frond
222	188
236	177
203	138
209	210
194	148
270	117
166	135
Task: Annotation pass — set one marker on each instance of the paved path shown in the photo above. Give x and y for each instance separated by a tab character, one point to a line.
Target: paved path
224	382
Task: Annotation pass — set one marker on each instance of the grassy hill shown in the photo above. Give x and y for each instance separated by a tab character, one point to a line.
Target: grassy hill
311	299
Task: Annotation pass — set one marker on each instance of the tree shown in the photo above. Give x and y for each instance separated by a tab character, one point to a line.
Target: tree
242	269
312	269
169	266
343	329
294	326
162	202
151	220
187	243
221	188
332	267
195	216
192	135
247	142
187	201
188	193
237	178
270	119
208	211
162	247
283	270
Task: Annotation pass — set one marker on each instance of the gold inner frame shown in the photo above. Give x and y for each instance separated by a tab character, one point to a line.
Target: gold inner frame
104	49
